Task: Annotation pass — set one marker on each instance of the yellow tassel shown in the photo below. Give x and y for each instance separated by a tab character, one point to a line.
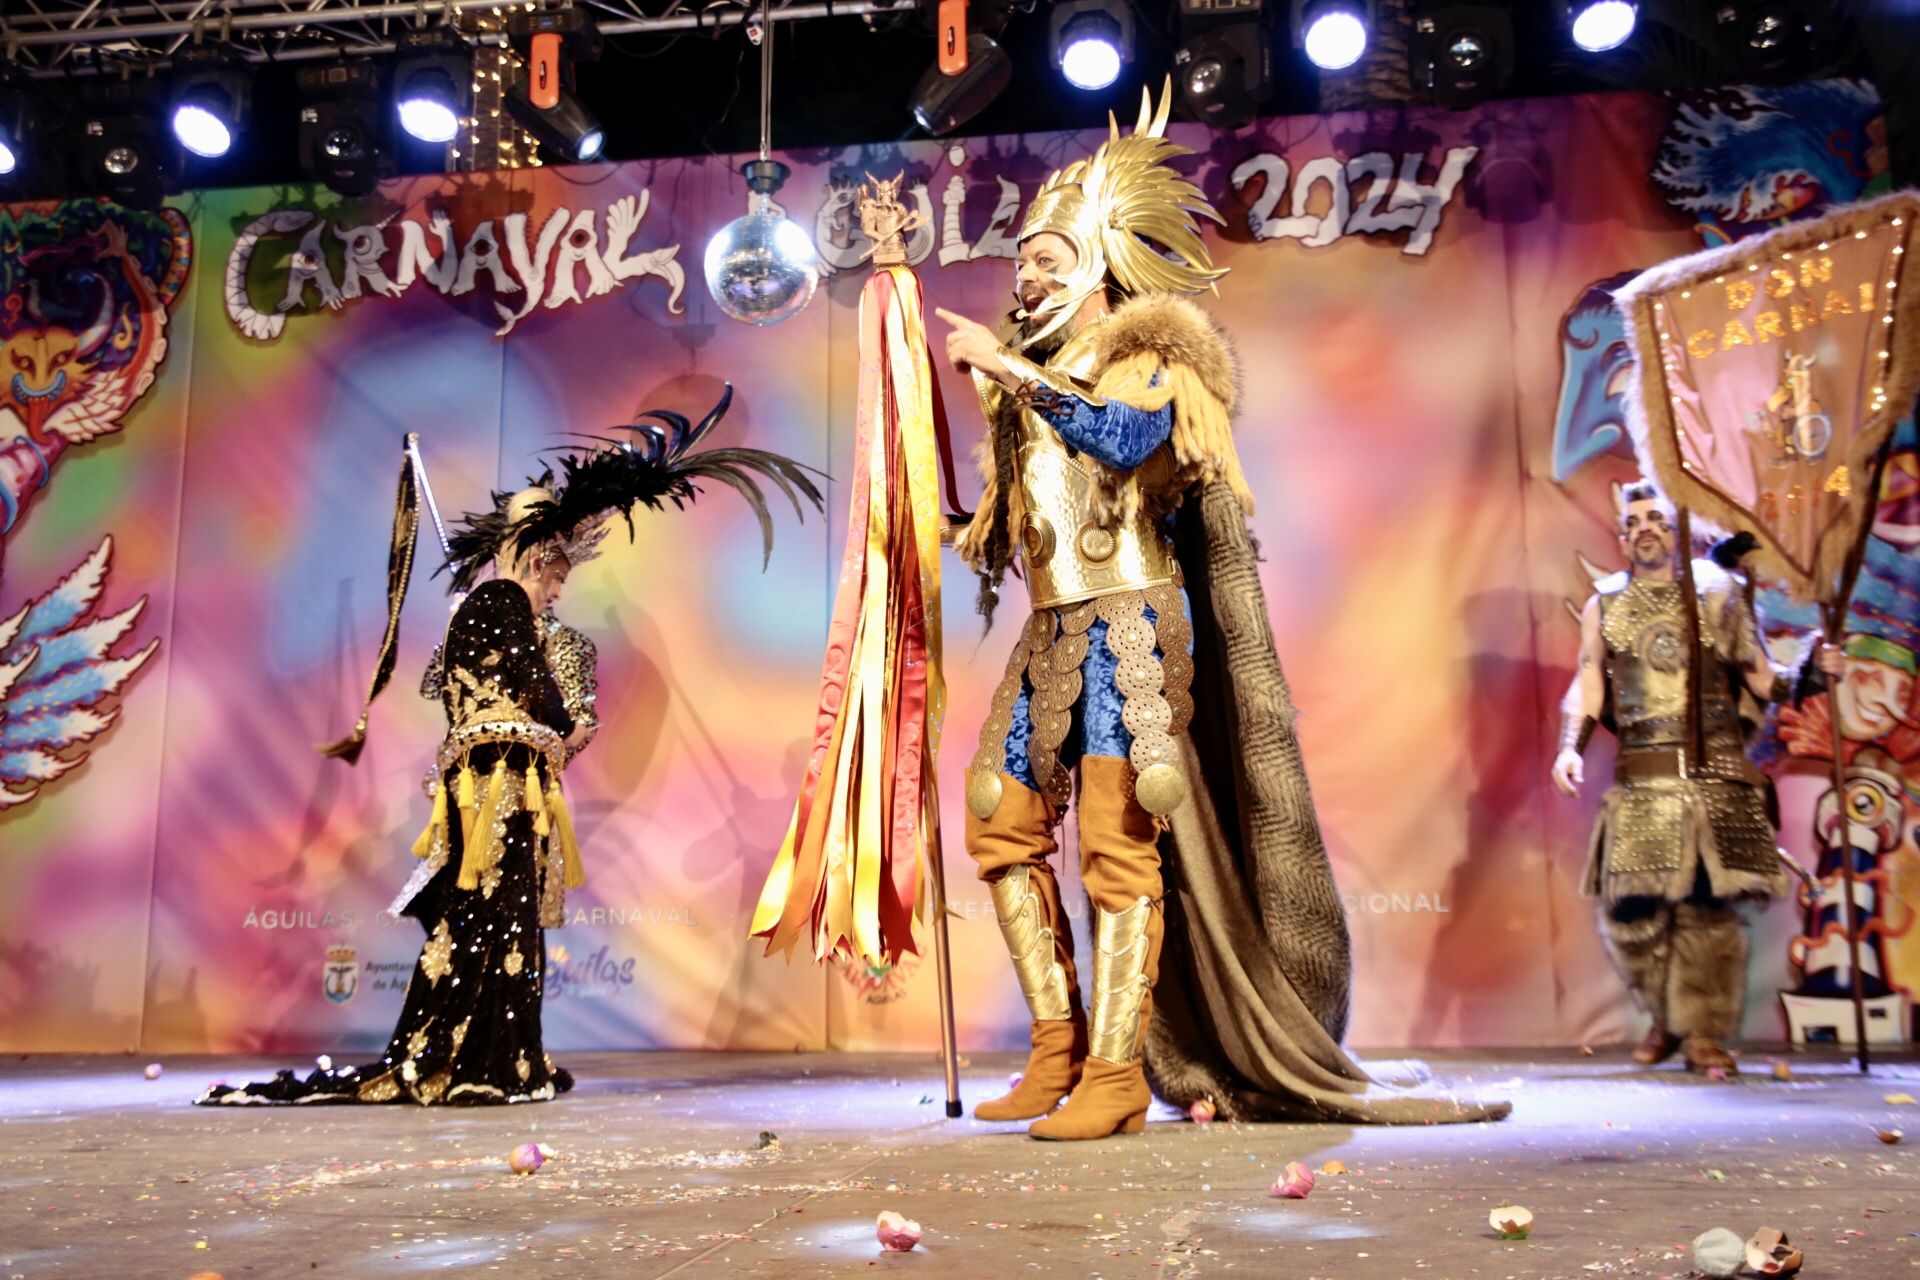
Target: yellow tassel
424	845
480	851
537	801
563	829
469	807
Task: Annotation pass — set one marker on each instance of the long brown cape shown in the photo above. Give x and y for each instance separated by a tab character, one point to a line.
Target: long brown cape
1256	975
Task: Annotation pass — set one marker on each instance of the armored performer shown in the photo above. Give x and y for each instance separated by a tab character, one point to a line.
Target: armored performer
1147	666
1683	837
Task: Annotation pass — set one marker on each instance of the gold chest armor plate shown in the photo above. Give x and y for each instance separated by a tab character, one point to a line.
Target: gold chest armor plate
1645	629
1069	555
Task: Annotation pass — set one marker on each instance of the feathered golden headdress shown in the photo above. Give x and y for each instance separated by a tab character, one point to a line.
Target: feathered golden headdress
1127	215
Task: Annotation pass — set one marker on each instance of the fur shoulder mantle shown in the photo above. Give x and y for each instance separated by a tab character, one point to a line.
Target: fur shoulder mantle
1178	331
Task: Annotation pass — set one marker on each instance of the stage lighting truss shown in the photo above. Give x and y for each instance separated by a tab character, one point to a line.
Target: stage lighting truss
1090	40
432	72
54	36
123	154
1772	40
1223	69
208	101
344	134
541	100
1334	33
1461	53
1598	26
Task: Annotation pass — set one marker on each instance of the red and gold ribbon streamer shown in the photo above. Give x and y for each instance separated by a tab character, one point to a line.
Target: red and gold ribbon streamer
848	877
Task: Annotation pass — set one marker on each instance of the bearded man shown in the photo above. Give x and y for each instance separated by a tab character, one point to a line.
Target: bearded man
1147	664
1681	841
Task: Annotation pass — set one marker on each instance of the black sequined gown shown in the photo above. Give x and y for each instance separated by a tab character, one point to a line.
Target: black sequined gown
469	1030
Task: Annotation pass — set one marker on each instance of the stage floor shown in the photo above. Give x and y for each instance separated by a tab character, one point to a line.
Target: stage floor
660	1173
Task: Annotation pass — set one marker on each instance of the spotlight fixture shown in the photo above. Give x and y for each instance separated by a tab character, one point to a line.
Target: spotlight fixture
1600	25
969	69
343	126
13	130
540	101
122	156
1333	32
942	103
1090	40
566	127
1461	53
430	71
1772	40
210	94
1223	68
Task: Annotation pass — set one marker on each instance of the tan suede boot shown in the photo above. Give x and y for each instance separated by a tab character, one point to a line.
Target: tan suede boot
1011	849
1120	864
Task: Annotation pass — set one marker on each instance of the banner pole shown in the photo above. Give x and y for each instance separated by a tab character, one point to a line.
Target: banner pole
426	490
1833	618
942	953
1843	845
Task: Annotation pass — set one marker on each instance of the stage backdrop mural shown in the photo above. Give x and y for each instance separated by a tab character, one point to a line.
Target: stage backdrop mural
204	410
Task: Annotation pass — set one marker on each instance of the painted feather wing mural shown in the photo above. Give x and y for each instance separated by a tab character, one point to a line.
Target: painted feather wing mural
60	679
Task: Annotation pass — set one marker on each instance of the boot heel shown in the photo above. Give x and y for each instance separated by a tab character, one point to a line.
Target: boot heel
1134	1123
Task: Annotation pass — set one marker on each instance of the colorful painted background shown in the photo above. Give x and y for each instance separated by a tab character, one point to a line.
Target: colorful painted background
1430	424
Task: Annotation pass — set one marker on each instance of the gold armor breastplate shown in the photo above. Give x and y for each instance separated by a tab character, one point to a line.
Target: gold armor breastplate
1645	629
1069	554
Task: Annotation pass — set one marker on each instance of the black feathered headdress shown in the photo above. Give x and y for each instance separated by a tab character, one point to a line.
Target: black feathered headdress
649	467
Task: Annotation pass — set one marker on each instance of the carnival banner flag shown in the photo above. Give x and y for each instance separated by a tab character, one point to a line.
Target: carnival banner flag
848	877
1771	372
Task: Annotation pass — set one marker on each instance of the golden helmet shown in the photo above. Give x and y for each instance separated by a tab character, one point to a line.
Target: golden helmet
1127	215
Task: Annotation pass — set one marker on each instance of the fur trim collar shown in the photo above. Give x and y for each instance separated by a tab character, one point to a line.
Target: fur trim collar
1178	331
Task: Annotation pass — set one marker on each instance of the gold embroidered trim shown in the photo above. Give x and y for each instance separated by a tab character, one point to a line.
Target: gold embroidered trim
436	957
513	962
1119	981
1031	943
553	882
435	1088
379	1089
522	1067
509	726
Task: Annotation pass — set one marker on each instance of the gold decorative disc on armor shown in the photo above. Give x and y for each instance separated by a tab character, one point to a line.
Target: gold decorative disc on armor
1160	789
1662	645
1038	540
983	793
1097	545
